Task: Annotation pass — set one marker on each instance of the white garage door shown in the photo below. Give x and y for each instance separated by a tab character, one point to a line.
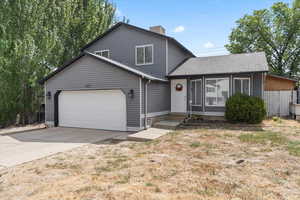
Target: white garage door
97	109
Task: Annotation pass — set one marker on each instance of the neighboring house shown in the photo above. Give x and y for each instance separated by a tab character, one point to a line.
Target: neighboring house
276	83
129	75
280	92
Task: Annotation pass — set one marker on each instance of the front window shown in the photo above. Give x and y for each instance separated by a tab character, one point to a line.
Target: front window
196	95
144	55
216	91
103	53
242	85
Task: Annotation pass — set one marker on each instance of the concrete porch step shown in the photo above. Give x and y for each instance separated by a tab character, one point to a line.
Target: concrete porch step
147	135
167	124
175	117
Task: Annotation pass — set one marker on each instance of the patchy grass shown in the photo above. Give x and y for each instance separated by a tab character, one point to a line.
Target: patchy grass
218	162
264	137
195	144
294	148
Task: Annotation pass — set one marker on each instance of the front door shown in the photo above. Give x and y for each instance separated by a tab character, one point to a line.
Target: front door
178	95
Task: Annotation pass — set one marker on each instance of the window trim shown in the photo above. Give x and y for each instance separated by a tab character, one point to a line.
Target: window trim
242	78
196	80
101	51
226	78
144	47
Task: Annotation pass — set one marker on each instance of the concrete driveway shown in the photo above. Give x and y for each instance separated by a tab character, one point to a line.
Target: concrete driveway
27	146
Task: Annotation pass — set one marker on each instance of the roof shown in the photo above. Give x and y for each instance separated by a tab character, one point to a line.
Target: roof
282	77
139	29
103	59
227	64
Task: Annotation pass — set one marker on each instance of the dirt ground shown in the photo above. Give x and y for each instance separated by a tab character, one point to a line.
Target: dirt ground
215	162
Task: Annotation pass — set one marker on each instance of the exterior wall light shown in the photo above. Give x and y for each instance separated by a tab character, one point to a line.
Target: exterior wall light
48	95
131	93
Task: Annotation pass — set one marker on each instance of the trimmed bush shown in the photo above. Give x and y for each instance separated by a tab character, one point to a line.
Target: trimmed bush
244	108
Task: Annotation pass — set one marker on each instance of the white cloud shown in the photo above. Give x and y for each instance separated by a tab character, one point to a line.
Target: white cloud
209	45
179	29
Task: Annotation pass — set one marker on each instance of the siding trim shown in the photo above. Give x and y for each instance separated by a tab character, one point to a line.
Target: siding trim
45	102
167	57
140	85
56	107
155	114
129	128
252	85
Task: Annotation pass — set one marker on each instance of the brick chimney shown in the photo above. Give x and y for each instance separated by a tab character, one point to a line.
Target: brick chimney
158	29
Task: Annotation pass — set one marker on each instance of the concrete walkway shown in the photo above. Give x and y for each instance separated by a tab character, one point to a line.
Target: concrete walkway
27	146
149	134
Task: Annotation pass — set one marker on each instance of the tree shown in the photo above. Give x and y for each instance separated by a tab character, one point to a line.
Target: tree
276	31
37	37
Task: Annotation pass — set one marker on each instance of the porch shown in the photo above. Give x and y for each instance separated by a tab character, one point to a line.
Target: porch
206	95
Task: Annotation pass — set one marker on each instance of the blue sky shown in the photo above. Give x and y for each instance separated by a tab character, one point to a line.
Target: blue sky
203	26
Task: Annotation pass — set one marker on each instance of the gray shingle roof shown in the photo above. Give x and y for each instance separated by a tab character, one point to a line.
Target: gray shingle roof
234	63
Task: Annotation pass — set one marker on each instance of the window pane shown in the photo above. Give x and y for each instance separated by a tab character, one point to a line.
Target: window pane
217	92
98	53
148	54
105	54
140	55
222	91
211	101
237	86
211	95
246	89
198	93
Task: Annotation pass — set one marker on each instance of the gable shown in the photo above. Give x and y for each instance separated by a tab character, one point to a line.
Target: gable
122	41
172	40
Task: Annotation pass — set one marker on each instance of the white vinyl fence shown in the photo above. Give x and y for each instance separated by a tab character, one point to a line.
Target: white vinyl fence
278	102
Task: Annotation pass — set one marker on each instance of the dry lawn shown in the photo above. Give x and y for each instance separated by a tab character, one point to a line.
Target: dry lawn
214	163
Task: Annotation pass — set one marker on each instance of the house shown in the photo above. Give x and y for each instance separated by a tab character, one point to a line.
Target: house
129	75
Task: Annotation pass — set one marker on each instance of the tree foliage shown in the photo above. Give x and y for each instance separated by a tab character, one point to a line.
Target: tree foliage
276	31
36	37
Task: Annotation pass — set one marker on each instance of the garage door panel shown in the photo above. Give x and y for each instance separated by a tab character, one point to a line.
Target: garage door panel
99	109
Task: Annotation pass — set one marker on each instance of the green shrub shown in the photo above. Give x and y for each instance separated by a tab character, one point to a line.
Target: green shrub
244	108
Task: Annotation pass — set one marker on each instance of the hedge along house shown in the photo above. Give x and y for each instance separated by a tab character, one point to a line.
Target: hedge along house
128	76
202	85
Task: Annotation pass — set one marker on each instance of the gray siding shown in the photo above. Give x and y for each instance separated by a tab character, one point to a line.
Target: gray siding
255	89
175	56
159	97
122	41
90	73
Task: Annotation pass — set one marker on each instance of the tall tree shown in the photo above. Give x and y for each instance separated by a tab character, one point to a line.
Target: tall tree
276	31
36	37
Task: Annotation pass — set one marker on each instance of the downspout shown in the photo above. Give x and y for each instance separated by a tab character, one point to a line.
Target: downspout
146	103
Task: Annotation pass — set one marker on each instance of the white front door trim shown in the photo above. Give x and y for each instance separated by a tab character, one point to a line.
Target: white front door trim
178	98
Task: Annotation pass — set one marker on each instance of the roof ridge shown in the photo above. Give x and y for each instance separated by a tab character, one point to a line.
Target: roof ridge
232	54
